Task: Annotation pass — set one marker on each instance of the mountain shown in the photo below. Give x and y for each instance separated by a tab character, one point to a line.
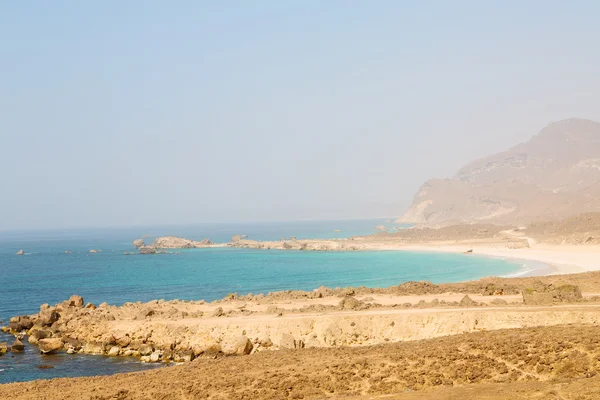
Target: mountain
555	174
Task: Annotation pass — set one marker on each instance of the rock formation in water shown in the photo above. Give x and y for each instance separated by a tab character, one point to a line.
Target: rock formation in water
20	253
555	174
173	242
138	243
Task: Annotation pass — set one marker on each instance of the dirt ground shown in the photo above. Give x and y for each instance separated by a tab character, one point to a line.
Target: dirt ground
559	362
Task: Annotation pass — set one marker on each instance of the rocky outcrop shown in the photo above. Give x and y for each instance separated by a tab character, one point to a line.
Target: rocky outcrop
147	250
554	175
542	294
173	242
138	243
20	252
17	346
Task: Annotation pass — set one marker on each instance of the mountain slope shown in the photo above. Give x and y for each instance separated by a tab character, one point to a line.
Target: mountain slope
553	175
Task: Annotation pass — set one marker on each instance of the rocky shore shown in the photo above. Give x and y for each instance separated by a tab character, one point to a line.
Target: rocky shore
179	331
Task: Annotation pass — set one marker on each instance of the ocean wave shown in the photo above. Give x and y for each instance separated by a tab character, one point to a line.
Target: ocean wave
525	270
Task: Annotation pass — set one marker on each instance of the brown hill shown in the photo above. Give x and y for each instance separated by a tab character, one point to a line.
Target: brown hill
554	175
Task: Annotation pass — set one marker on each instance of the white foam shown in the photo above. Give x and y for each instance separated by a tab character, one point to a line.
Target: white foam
525	270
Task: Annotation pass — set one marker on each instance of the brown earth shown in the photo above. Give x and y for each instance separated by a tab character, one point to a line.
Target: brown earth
559	362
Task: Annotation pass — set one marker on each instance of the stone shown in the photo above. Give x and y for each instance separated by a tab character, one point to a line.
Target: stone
147	250
183	356
20	253
50	345
123	341
90	306
17	346
3	348
76	301
139	243
94	251
286	341
236	346
114	351
145	349
467	302
48	315
37	334
154	357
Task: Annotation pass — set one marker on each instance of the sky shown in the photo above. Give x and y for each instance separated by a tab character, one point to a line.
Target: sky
118	113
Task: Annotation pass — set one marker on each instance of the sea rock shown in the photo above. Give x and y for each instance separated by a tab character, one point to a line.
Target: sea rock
67	252
236	346
154	357
17	346
3	348
36	334
76	301
94	251
50	345
123	341
183	356
20	253
48	315
147	250
138	243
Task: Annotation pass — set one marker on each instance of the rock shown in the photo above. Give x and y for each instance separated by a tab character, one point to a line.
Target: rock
17	346
93	348
138	243
206	242
145	349
236	346
467	302
183	356
350	303
95	251
286	341
539	294
3	348
67	252
114	351
218	312
48	315
154	357
50	345
123	341
90	306
36	335
20	253
76	301
147	250
469	251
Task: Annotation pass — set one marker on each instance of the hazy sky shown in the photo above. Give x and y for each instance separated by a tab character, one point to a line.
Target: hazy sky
151	112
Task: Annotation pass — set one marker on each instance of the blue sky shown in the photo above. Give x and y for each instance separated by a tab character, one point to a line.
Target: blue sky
127	113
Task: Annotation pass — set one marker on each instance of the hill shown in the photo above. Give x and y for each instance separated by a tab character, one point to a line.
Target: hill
554	175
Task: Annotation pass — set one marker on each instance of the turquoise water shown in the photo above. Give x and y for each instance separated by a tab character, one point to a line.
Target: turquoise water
47	275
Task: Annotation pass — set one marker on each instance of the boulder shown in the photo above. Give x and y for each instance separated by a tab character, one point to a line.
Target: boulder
154	357
147	250
139	243
20	253
145	349
17	346
286	341
37	334
123	341
114	351
350	303
236	346
183	356
48	315
467	302
76	301
50	345
3	348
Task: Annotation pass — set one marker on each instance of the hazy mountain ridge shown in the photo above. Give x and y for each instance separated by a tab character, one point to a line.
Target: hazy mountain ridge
553	175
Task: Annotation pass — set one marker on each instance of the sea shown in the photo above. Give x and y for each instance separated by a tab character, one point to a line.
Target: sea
57	264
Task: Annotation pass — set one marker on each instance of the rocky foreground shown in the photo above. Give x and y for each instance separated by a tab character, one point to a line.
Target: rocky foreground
555	363
165	331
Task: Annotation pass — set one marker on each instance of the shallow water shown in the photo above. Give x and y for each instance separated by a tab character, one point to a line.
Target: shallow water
46	274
